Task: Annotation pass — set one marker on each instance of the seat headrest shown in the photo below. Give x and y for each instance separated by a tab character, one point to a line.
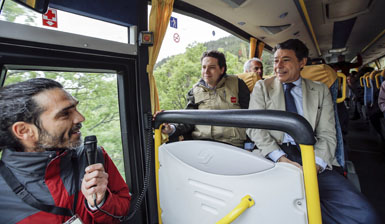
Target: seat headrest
373	74
250	78
321	73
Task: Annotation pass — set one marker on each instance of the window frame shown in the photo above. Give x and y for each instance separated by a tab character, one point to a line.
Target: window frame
21	55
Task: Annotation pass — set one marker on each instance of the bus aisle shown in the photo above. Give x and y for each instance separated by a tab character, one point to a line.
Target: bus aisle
367	153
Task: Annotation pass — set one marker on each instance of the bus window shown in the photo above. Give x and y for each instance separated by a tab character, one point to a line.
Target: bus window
98	96
13	12
372	65
178	64
267	60
382	62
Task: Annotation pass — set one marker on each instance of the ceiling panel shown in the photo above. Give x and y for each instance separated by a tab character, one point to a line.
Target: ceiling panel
256	13
251	15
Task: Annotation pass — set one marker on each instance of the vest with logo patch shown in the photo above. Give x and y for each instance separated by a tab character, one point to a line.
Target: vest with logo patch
224	96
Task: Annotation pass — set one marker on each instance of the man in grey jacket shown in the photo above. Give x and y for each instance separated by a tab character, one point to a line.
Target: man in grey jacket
340	201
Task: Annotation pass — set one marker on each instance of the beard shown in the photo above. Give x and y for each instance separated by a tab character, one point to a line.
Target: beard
48	142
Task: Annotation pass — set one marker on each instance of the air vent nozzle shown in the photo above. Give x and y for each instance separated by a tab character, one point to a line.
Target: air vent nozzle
346	9
274	29
234	3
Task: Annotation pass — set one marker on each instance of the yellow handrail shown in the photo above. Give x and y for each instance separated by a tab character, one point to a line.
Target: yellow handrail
311	184
310	26
361	81
367	80
343	96
372	74
363	77
373	41
246	202
158	141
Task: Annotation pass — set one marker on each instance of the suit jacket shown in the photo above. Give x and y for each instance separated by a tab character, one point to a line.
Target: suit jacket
317	108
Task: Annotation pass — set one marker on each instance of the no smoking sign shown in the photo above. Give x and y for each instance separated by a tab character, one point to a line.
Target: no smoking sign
176	38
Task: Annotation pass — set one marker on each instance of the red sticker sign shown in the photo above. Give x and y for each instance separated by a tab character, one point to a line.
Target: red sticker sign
176	38
50	18
233	99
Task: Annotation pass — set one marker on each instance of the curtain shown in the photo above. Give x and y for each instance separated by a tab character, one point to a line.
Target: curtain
253	46
159	18
261	45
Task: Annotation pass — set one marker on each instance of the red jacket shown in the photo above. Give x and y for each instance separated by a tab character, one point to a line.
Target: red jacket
48	177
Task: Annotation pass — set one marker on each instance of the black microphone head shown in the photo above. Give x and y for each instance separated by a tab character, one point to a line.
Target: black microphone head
90	139
90	144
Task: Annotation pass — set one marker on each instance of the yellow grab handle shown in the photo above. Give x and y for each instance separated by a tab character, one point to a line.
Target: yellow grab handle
311	184
343	96
246	202
367	81
377	78
158	140
361	81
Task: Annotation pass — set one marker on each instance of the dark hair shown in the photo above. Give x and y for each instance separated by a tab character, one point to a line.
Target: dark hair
219	56
296	45
363	71
17	104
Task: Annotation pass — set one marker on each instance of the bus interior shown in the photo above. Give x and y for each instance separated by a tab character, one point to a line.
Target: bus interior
115	74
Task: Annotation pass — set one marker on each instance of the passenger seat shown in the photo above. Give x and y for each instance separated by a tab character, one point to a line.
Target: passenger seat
327	75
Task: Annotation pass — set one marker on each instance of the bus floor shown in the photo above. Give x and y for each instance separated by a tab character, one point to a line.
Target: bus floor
367	152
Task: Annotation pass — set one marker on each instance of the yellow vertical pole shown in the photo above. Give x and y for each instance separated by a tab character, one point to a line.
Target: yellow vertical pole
342	84
158	141
311	184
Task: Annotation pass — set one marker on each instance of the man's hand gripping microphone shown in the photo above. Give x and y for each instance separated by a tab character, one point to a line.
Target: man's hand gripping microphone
90	144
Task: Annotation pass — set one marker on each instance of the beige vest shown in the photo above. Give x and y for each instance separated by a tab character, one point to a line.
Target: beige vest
223	97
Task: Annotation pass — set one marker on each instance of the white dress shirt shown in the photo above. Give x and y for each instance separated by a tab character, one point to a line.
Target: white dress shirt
296	92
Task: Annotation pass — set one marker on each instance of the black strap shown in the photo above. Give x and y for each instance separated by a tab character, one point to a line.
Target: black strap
76	179
28	198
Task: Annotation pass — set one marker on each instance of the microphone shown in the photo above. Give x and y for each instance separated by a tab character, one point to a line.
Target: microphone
90	143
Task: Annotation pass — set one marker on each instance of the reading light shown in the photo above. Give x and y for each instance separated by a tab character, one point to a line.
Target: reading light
337	50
